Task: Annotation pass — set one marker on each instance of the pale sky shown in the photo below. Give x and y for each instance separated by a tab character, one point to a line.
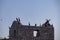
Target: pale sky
33	11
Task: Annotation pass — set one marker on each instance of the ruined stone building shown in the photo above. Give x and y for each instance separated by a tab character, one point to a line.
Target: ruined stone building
18	31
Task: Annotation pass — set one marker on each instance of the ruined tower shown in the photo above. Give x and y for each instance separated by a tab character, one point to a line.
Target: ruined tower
18	31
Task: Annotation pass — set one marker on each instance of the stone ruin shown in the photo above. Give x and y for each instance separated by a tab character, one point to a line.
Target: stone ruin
18	31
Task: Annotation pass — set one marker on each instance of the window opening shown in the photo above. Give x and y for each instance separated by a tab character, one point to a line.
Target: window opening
34	33
14	32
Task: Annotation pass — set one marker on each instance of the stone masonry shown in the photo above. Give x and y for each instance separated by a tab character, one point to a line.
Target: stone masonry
17	31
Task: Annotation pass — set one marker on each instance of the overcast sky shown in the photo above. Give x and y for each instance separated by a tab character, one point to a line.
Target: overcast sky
33	11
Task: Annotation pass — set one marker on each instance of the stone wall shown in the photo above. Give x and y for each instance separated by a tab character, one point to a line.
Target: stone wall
25	32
